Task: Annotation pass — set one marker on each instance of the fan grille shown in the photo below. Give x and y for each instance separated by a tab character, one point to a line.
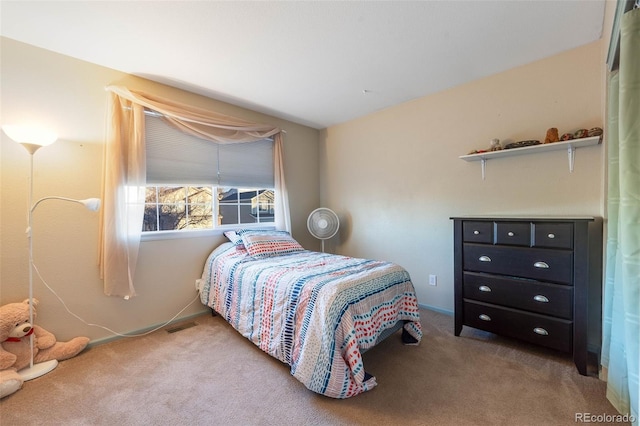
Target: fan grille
323	223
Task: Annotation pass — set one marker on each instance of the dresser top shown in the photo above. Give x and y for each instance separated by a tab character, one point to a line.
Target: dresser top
519	218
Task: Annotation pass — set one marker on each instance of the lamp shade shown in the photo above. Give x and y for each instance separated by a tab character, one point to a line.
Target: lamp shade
31	137
92	204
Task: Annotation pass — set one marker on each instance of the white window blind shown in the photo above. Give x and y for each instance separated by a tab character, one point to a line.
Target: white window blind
173	157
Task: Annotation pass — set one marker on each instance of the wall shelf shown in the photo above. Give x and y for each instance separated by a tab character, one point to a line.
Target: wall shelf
570	146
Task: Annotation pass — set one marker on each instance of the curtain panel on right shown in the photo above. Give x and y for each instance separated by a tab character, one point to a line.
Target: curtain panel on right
621	314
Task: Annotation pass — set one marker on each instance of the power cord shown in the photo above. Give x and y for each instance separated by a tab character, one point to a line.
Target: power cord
107	328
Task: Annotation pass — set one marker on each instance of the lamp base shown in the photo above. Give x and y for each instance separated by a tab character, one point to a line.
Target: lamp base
30	373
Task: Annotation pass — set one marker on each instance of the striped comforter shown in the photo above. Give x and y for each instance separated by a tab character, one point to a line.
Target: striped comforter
315	312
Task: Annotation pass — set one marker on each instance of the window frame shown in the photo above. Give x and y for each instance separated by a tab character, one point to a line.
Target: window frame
216	230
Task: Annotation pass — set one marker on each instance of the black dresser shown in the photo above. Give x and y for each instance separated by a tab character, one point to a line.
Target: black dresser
536	279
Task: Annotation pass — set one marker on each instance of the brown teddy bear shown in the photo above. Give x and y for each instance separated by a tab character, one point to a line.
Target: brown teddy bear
15	347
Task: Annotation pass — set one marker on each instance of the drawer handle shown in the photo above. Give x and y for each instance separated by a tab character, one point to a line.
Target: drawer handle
485	288
552	236
476	232
541	265
540	298
511	234
484	317
541	331
484	259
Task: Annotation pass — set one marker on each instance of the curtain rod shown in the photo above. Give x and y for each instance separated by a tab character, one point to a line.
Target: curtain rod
153	113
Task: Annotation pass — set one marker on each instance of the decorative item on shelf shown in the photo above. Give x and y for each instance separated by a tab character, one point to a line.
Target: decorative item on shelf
595	131
494	145
521	144
582	133
477	151
552	135
566	137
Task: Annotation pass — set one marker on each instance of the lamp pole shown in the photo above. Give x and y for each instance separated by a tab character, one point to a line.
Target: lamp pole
40	369
32	138
34	370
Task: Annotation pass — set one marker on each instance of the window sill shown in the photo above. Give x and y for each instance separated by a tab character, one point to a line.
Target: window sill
199	233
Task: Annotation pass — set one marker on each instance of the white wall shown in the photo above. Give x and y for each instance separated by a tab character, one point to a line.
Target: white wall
68	95
395	177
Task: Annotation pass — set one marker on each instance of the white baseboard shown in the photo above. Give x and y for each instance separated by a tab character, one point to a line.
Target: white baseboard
146	329
433	308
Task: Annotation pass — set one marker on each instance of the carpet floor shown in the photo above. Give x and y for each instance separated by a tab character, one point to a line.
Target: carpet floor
208	374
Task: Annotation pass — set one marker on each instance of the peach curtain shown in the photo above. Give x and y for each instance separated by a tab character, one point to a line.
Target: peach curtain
125	173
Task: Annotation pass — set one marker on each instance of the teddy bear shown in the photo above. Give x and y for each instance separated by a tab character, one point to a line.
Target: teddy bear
15	346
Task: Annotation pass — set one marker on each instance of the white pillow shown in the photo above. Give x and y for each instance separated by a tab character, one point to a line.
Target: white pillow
261	244
233	237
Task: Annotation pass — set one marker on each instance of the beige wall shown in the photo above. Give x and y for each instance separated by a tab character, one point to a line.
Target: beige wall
395	177
68	95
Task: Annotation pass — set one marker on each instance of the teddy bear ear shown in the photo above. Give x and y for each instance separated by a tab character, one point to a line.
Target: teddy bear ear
35	301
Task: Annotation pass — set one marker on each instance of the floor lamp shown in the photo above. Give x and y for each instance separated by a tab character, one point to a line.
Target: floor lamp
32	139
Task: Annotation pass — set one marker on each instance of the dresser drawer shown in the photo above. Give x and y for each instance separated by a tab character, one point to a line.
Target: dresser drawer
534	296
513	233
554	235
541	264
539	329
477	232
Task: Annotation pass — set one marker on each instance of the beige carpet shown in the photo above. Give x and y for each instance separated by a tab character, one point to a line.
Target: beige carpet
210	375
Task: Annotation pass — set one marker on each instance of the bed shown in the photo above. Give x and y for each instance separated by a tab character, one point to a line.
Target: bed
316	312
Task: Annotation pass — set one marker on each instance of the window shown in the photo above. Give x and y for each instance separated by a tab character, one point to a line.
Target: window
170	208
242	206
175	208
195	184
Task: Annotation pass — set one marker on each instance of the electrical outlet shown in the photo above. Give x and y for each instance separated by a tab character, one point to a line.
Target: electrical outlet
433	280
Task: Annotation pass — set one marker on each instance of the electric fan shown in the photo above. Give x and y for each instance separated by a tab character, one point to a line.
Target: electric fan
323	223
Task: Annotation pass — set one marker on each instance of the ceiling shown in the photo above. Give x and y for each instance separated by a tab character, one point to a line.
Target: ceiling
317	63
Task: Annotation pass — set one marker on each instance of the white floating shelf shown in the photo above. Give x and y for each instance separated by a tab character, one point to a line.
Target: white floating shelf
570	146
